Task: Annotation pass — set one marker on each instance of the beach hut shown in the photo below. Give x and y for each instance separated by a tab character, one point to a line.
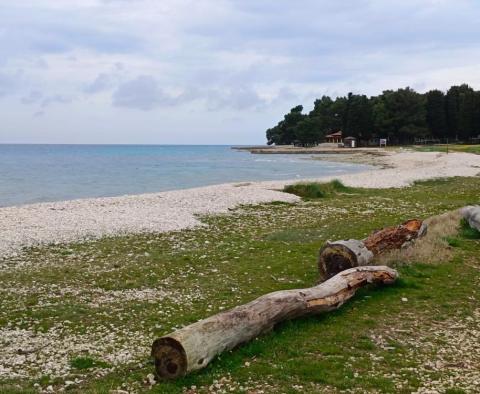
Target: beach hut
350	142
334	137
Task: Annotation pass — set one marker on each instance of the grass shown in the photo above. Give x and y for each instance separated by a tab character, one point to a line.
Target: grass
451	148
434	247
87	363
311	191
452	241
468	232
91	307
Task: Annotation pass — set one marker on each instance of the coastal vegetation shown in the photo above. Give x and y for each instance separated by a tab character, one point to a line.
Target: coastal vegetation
475	149
83	315
402	116
314	190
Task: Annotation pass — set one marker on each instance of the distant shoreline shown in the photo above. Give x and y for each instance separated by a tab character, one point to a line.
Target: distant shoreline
290	149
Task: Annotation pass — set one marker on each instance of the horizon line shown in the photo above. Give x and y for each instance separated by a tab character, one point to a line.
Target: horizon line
120	144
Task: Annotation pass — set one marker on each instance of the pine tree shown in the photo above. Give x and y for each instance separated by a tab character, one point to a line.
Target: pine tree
437	114
358	120
457	117
400	115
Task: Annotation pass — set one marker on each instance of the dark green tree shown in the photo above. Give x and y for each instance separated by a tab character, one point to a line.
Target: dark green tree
329	114
455	100
309	131
466	114
400	115
476	116
437	114
358	117
274	135
284	132
290	122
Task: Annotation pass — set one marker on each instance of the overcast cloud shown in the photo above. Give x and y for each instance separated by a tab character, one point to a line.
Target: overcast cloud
214	71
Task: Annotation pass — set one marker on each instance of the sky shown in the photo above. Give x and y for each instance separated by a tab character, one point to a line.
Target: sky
214	71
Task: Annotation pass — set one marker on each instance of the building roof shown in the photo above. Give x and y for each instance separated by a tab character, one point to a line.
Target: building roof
336	134
349	138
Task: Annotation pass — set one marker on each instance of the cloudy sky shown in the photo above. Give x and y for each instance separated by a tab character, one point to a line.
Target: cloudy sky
214	71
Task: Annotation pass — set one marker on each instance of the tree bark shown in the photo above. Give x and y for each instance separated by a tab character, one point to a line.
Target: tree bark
334	257
193	347
394	237
472	215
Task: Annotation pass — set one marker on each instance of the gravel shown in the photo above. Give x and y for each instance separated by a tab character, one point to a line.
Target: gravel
76	220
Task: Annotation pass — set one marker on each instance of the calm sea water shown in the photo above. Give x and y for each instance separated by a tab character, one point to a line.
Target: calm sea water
36	173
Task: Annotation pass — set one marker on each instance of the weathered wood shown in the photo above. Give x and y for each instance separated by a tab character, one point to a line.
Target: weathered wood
340	255
334	257
472	215
393	237
193	347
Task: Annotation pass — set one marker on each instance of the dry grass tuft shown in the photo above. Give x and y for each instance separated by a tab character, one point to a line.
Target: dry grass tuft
434	247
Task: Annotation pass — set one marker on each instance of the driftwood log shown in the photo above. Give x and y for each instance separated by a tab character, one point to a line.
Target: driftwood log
337	256
472	216
193	347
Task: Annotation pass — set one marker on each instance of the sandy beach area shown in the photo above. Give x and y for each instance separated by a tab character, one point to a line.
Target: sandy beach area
68	221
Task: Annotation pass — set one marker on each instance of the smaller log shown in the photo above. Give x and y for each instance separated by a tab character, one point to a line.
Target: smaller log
472	215
193	347
340	255
334	257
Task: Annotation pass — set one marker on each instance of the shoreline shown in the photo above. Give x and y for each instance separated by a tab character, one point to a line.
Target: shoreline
92	218
325	148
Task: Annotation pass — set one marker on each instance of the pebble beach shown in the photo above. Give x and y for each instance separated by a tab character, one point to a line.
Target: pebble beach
76	220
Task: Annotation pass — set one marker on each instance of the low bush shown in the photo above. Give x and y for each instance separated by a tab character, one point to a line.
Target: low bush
315	190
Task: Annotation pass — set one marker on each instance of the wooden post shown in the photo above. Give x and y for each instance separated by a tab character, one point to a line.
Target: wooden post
334	257
193	347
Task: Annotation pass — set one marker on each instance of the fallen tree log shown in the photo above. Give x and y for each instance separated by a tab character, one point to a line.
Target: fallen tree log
193	347
472	215
337	256
394	237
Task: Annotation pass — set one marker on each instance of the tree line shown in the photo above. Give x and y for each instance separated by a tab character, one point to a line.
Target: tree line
402	116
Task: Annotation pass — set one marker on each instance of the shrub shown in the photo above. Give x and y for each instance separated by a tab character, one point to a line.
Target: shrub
314	190
305	190
340	187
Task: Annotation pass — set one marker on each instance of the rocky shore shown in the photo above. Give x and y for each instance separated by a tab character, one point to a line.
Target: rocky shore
68	221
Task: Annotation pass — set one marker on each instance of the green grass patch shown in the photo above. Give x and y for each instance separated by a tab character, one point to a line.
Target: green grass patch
312	191
455	391
468	232
295	235
87	363
232	260
453	242
306	190
475	149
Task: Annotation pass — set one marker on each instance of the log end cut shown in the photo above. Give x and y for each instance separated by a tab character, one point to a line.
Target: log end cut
170	358
339	256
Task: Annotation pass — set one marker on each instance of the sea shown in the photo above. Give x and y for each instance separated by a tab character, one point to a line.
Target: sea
40	173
